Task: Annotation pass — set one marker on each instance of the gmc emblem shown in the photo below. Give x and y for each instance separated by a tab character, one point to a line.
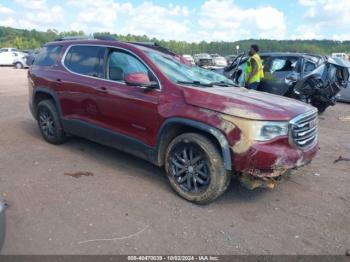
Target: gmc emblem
313	123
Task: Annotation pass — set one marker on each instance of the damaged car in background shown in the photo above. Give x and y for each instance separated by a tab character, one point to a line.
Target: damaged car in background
312	79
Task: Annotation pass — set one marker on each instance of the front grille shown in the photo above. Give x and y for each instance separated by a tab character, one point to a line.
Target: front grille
304	130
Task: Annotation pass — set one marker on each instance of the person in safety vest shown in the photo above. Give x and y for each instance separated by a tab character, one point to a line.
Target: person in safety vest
254	69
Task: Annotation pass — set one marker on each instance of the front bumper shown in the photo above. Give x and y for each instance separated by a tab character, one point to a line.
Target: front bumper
272	159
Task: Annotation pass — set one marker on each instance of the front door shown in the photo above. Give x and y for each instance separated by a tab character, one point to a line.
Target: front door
129	110
278	69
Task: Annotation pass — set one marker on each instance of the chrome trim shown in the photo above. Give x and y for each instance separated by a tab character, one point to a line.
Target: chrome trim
301	139
105	79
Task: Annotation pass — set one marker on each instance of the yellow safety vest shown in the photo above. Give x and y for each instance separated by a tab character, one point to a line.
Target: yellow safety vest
259	74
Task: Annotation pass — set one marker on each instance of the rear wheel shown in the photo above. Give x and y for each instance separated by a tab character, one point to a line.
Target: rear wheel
49	123
195	168
18	65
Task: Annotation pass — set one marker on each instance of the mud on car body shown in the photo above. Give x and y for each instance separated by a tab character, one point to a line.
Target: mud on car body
196	123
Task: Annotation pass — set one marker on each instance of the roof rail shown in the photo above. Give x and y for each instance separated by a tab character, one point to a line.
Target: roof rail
105	37
67	38
82	37
154	46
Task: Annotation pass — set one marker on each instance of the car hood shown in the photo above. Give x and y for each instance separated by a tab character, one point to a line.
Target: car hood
240	102
338	61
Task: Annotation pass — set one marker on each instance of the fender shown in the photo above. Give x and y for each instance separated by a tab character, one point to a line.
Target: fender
204	127
49	92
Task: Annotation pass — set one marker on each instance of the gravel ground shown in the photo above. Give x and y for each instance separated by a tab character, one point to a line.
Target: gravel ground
124	205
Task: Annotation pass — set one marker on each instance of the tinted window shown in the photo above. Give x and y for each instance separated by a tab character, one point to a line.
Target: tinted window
120	64
3	50
86	60
48	55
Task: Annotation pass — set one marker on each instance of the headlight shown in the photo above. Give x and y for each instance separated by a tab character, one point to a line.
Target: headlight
257	130
264	130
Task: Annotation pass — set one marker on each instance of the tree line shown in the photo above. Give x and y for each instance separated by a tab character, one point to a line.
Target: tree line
30	39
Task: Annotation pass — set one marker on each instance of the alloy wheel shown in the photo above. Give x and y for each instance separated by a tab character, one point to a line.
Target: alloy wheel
189	168
46	123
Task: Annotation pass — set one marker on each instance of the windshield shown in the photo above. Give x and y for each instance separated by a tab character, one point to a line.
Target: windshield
180	73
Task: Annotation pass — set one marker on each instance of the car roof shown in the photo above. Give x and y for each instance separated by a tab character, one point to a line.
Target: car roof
314	58
288	54
144	46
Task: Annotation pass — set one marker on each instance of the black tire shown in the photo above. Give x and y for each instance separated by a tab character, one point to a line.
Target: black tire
205	177
18	65
321	106
49	123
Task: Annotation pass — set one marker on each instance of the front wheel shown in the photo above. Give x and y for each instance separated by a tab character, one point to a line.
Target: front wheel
195	168
321	106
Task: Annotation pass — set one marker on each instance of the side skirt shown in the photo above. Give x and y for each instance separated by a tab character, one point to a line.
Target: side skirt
110	138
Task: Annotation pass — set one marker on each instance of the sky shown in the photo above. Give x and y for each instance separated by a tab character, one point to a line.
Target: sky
191	20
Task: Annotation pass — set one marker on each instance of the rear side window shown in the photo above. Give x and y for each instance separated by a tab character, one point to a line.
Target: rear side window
85	60
48	55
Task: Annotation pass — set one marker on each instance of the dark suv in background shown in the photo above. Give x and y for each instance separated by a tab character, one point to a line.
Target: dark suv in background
313	79
143	100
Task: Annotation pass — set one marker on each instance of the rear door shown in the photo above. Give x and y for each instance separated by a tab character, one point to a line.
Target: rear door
78	83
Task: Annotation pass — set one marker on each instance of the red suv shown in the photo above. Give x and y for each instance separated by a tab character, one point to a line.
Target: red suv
143	100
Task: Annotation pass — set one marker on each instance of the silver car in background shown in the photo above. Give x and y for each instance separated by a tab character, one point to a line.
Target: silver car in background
189	58
219	61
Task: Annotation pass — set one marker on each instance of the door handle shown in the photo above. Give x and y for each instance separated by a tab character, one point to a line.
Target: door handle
102	90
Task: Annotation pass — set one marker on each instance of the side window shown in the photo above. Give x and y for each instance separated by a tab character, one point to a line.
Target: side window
283	64
120	64
309	66
48	55
85	60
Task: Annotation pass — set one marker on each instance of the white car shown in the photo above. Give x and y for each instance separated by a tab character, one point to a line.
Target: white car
9	55
189	58
220	61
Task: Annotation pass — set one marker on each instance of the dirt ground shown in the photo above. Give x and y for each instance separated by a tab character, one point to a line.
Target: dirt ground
119	204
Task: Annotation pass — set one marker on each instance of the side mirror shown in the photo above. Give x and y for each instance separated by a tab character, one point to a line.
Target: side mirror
139	79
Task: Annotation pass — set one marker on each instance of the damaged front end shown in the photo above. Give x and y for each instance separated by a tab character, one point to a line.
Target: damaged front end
321	86
267	151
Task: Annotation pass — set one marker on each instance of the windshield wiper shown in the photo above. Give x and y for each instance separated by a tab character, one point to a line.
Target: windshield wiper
196	83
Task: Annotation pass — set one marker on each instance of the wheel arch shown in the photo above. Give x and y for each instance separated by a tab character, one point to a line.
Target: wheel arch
176	126
43	93
19	62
